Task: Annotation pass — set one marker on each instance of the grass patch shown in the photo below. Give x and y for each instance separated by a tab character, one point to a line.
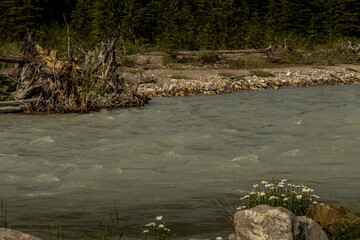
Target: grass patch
319	67
227	75
178	77
351	70
135	71
348	229
262	74
3	218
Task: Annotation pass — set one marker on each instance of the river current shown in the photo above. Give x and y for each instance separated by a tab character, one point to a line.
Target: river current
175	156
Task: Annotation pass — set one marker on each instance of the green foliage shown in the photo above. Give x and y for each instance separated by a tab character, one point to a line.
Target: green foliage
351	70
262	74
188	24
295	198
6	86
169	59
208	57
348	229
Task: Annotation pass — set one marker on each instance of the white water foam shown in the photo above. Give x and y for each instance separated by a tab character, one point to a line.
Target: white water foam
47	178
246	158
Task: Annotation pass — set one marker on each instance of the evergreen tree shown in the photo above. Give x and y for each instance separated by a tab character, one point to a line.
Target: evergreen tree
20	16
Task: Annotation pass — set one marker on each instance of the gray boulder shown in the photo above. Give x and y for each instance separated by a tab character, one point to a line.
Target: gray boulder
269	223
9	234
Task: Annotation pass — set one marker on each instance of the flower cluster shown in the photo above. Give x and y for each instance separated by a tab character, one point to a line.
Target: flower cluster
296	198
157	230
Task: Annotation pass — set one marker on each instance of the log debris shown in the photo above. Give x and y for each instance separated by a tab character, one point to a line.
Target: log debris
89	82
14	60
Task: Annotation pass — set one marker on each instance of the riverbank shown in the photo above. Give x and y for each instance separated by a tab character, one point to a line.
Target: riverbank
192	81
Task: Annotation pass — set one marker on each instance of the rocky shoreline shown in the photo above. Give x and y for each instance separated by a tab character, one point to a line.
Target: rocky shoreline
216	84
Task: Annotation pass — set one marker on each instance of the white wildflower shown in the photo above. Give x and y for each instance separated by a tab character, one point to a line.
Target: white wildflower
271	197
161	226
244	197
252	193
280	185
219	238
145	231
283	195
159	218
150	225
315	196
299	196
267	185
262	194
286	199
284	180
305	190
315	202
256	185
264	182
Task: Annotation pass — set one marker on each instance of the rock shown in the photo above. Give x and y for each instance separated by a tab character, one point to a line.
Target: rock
265	222
9	234
328	216
311	229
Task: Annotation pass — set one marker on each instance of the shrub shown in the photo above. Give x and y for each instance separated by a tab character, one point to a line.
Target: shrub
128	61
207	57
6	85
295	198
170	58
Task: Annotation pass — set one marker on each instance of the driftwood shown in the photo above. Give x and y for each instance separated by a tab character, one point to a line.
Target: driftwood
273	51
72	84
350	46
13	60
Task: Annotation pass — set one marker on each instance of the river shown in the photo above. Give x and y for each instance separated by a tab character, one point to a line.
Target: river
175	156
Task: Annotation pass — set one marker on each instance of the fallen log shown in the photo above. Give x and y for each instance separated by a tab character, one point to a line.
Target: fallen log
271	48
17	102
11	109
14	60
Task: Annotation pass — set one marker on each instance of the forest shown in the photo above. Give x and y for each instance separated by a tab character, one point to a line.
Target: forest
181	24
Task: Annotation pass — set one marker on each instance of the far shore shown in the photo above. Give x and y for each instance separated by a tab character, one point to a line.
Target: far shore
193	80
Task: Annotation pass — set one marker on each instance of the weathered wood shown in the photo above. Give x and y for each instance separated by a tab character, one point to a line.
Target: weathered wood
17	102
11	109
13	60
270	48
